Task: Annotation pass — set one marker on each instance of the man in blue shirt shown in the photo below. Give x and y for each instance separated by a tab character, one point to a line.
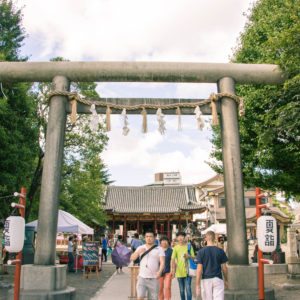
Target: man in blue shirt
104	248
211	263
135	243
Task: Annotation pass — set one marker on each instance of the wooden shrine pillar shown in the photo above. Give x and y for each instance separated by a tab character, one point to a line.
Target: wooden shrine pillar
113	225
125	230
162	228
168	229
179	223
138	225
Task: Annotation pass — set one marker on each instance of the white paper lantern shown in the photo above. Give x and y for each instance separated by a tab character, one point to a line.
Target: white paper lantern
267	233
14	232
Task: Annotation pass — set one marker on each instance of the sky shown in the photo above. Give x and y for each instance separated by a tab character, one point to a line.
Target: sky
139	30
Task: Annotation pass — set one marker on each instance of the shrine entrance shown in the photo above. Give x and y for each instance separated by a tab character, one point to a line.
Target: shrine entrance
241	276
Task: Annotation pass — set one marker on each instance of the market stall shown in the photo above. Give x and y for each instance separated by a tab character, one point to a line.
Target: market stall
68	225
216	228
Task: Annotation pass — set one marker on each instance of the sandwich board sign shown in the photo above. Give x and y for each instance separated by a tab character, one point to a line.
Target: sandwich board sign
90	254
267	233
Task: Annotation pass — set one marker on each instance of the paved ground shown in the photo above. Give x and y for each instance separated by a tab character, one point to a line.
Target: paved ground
118	287
85	288
277	281
111	286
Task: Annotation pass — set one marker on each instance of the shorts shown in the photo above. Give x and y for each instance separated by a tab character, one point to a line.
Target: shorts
150	285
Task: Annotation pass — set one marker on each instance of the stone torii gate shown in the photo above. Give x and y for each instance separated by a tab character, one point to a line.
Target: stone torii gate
44	277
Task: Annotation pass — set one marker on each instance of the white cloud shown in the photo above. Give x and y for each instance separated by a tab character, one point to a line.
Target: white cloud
189	30
156	30
176	151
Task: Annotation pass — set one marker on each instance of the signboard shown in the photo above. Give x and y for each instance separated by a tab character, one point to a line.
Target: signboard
14	232
90	253
172	175
267	233
172	181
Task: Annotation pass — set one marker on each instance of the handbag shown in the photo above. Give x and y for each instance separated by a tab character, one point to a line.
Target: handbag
192	266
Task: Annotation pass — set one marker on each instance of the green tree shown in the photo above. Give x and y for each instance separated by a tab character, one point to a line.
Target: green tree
18	126
83	191
82	167
270	129
23	125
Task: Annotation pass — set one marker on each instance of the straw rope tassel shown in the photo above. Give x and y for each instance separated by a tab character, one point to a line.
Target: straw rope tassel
73	116
108	121
215	120
241	107
178	113
144	124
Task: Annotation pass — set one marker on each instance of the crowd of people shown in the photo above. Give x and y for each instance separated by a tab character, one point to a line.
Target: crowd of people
162	260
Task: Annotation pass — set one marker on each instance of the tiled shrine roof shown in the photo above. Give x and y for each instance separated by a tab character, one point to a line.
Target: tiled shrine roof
152	199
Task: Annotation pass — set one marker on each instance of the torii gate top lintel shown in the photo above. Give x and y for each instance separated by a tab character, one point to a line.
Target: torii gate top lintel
141	72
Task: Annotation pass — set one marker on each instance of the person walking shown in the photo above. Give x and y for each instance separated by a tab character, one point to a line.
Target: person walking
211	263
104	243
180	265
119	243
135	243
70	255
5	257
152	263
165	281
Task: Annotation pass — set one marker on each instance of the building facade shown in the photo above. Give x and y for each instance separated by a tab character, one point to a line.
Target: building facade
211	194
162	209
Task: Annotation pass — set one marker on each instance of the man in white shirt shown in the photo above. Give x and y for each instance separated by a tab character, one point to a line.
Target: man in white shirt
152	263
70	255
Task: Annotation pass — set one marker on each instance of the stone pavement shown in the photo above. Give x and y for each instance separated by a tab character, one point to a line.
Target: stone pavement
85	288
118	288
110	286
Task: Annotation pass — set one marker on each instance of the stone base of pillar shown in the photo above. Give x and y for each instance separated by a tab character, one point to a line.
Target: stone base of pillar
248	295
243	283
44	282
293	271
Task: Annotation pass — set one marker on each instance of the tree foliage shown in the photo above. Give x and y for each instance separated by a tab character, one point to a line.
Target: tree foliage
18	126
84	174
23	125
270	129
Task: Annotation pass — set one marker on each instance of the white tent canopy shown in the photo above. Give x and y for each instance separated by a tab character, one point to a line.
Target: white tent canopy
216	228
67	223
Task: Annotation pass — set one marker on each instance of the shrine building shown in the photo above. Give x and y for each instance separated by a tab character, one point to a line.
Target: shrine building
161	208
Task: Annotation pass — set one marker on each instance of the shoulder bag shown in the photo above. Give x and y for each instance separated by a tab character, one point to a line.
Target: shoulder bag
192	270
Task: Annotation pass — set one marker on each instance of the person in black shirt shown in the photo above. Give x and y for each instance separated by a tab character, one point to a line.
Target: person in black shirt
165	281
211	263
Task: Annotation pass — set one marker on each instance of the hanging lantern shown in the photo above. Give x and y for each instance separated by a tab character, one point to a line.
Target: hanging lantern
14	232
267	233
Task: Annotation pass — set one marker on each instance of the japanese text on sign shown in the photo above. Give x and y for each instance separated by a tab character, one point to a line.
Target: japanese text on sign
267	233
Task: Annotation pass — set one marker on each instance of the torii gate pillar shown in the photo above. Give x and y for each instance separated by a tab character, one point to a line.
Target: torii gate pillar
242	277
45	279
